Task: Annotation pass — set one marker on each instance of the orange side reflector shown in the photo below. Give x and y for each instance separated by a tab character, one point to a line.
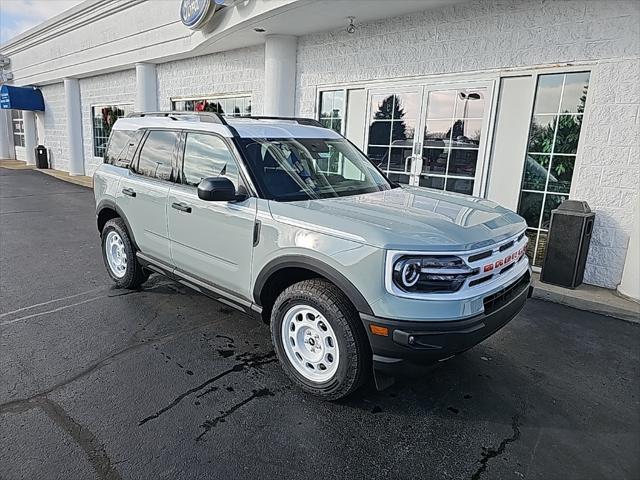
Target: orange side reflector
378	330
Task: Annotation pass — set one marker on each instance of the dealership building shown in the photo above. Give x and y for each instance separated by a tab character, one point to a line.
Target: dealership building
524	102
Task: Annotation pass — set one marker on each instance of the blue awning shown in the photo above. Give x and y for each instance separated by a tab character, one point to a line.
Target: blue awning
21	98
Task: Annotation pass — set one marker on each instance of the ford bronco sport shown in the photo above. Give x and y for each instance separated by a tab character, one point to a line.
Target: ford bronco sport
288	220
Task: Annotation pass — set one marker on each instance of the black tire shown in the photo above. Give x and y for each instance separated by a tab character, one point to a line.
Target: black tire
134	275
354	366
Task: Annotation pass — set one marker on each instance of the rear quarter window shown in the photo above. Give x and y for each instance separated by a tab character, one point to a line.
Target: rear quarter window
118	146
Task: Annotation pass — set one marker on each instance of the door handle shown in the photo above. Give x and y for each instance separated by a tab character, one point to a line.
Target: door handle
129	192
183	207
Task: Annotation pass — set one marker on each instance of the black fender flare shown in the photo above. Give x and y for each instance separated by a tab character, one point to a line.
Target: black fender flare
316	266
111	205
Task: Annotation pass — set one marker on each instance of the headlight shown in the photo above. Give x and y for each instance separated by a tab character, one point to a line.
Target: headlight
431	273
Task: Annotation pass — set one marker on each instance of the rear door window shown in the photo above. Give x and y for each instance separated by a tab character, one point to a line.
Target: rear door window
155	158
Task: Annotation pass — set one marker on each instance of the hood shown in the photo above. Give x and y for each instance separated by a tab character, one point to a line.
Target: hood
412	218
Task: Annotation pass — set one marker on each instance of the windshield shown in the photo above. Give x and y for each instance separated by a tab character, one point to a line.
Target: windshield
309	168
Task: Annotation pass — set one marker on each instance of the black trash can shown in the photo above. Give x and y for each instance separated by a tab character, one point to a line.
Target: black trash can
42	157
568	244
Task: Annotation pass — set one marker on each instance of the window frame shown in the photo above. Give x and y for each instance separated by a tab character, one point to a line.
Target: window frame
133	166
93	107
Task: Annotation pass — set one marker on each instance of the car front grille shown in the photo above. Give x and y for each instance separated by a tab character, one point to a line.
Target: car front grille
497	300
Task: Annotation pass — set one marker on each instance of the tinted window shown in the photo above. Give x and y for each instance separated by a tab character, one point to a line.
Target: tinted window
207	156
118	144
155	156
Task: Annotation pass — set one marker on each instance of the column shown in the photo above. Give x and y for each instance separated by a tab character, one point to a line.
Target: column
74	126
29	118
280	53
146	88
6	136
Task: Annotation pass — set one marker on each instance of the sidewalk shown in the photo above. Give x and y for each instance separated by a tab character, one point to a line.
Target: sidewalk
76	179
590	298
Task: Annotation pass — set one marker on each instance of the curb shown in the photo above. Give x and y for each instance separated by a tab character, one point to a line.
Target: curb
626	313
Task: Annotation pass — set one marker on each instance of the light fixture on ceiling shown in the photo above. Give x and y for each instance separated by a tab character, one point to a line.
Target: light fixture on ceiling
352	27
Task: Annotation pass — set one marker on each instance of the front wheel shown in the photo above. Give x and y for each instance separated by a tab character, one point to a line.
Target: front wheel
319	339
120	257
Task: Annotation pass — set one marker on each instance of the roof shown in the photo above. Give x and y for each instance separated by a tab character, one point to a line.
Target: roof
245	126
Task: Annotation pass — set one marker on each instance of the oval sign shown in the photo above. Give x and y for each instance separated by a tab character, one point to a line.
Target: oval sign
194	13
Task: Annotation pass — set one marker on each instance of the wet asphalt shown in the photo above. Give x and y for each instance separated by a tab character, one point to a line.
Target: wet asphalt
164	383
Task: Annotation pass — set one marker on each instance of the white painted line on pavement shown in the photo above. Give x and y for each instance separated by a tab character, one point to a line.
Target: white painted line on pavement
54	301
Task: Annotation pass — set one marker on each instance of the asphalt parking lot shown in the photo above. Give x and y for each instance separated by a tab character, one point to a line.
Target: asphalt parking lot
164	383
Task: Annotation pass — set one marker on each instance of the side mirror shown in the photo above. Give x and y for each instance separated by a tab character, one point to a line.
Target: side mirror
216	189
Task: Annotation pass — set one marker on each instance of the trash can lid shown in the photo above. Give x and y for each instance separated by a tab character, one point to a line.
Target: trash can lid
574	206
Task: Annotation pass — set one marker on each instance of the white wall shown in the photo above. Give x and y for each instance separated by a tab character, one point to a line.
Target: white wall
234	71
110	89
55	124
493	35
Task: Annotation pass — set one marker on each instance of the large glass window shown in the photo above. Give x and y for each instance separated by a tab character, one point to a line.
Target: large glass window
155	156
452	139
391	132
289	169
104	116
18	128
231	106
332	109
207	156
551	153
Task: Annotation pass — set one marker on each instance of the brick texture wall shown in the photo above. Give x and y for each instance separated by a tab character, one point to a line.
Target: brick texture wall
110	89
499	34
55	126
235	71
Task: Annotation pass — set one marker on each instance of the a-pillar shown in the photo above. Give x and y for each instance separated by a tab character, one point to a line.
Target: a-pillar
146	88
74	126
280	53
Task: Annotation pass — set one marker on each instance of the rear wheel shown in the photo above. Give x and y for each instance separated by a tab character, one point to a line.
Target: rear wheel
319	339
120	257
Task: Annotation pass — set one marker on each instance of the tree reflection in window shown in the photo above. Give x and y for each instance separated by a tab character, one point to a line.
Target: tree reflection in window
553	143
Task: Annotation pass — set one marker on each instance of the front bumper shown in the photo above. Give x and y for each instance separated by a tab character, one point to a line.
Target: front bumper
410	344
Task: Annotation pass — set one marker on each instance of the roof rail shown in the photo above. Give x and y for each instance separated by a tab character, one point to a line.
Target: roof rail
301	120
210	116
218	118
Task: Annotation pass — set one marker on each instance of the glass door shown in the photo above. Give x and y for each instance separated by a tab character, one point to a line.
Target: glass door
431	136
456	121
392	120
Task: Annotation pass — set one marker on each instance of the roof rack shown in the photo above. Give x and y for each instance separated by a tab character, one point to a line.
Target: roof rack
210	116
218	118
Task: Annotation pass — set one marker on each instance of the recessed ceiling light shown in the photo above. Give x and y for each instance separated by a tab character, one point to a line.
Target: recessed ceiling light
259	30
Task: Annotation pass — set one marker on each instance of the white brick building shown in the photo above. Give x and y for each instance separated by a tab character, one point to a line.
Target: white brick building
525	102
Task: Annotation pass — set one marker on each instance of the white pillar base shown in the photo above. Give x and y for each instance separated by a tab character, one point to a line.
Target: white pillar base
74	126
30	138
146	88
280	57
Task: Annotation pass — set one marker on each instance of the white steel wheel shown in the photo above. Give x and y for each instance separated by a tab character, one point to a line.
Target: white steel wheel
114	251
310	343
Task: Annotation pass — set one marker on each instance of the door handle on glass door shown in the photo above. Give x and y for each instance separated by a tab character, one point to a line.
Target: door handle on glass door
183	207
129	192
